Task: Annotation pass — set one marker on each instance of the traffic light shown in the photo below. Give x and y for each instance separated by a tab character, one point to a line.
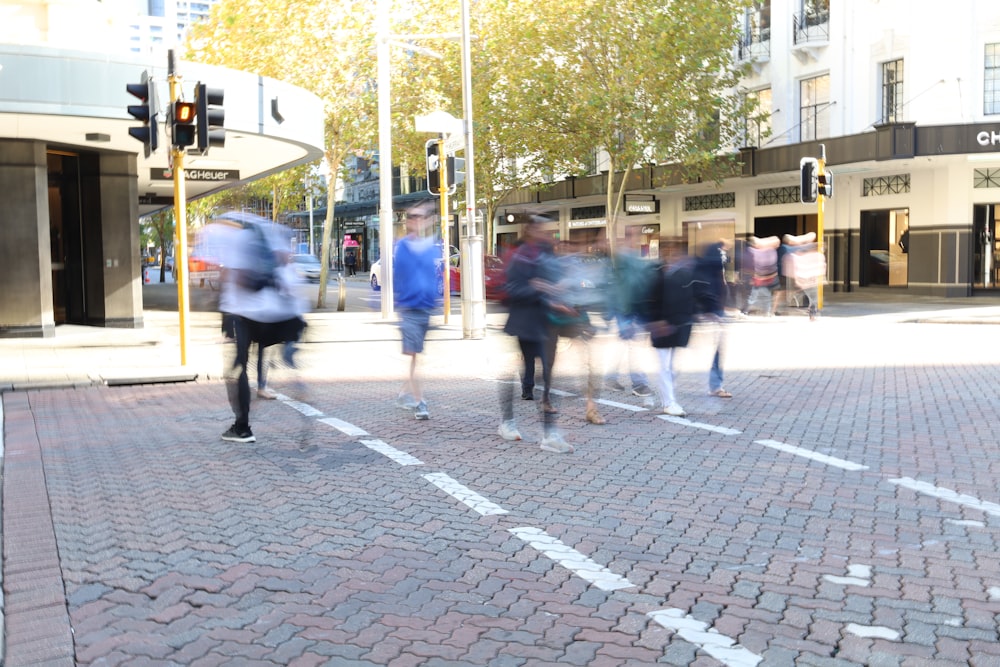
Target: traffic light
146	112
211	116
182	124
809	180
826	183
433	167
456	170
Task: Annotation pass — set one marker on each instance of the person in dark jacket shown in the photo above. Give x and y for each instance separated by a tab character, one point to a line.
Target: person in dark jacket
532	292
672	313
710	302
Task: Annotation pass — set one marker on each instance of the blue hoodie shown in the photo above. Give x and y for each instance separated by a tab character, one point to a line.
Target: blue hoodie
415	273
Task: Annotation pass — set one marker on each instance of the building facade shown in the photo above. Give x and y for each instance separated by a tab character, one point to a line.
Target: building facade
904	101
75	182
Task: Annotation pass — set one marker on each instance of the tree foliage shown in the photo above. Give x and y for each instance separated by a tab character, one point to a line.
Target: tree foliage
554	83
641	81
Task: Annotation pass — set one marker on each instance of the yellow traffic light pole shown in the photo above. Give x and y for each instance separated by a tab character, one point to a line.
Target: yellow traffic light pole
820	198
180	218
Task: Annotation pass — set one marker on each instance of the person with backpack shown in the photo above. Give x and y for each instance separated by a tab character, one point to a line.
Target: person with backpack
259	307
631	281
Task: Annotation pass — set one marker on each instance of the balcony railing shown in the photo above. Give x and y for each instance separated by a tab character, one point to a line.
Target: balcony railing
812	26
755	45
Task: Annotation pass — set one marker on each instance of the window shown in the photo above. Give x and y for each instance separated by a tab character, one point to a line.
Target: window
815	12
991	80
892	91
756	31
758	124
815	108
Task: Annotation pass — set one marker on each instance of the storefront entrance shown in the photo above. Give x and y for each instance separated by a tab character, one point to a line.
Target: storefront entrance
69	304
985	247
885	239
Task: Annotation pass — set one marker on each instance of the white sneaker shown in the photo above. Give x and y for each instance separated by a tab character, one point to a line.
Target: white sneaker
674	410
554	442
267	392
508	430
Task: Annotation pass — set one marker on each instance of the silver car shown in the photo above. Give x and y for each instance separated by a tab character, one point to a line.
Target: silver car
308	267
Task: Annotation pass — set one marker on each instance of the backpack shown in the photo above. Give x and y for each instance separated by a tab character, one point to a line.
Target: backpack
264	263
638	281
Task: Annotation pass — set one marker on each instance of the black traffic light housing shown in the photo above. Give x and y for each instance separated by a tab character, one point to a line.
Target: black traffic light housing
826	183
433	167
211	116
182	124
146	112
809	180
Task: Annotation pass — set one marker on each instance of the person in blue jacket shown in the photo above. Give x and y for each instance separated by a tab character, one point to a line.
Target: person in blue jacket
415	276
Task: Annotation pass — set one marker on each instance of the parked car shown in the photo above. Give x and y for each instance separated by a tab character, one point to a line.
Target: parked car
494	277
308	267
375	274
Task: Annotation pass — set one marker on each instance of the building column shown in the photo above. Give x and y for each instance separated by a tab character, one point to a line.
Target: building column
25	252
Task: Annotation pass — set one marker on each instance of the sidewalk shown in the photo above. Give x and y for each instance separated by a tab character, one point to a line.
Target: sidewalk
85	356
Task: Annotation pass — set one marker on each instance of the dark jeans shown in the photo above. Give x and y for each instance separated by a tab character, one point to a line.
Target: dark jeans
530	350
262	334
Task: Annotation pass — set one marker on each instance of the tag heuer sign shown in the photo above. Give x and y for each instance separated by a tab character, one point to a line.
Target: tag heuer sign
196	174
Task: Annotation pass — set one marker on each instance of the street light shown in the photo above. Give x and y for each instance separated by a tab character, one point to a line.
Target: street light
473	290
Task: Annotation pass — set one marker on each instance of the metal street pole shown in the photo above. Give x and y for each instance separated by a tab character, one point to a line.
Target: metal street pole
385	215
820	172
473	288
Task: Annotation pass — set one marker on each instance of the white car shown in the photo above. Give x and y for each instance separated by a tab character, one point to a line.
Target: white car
308	267
375	274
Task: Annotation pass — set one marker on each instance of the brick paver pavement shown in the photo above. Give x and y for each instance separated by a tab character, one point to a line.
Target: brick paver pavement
134	535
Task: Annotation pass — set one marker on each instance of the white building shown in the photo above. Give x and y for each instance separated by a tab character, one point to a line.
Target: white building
905	97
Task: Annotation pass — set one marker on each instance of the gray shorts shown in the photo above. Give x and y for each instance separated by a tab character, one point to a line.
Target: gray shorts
413	324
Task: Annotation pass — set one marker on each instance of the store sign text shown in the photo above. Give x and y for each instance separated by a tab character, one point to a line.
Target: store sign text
988	138
588	223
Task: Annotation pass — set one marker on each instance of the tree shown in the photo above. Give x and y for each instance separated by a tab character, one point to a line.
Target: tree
642	81
161	228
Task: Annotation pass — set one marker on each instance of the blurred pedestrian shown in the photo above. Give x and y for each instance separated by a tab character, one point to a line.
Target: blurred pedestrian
629	287
672	315
415	286
805	267
710	300
582	286
259	306
532	276
763	257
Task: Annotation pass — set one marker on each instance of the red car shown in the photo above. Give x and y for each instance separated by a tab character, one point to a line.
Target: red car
494	278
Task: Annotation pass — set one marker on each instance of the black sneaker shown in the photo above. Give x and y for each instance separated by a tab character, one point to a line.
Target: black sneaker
239	434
